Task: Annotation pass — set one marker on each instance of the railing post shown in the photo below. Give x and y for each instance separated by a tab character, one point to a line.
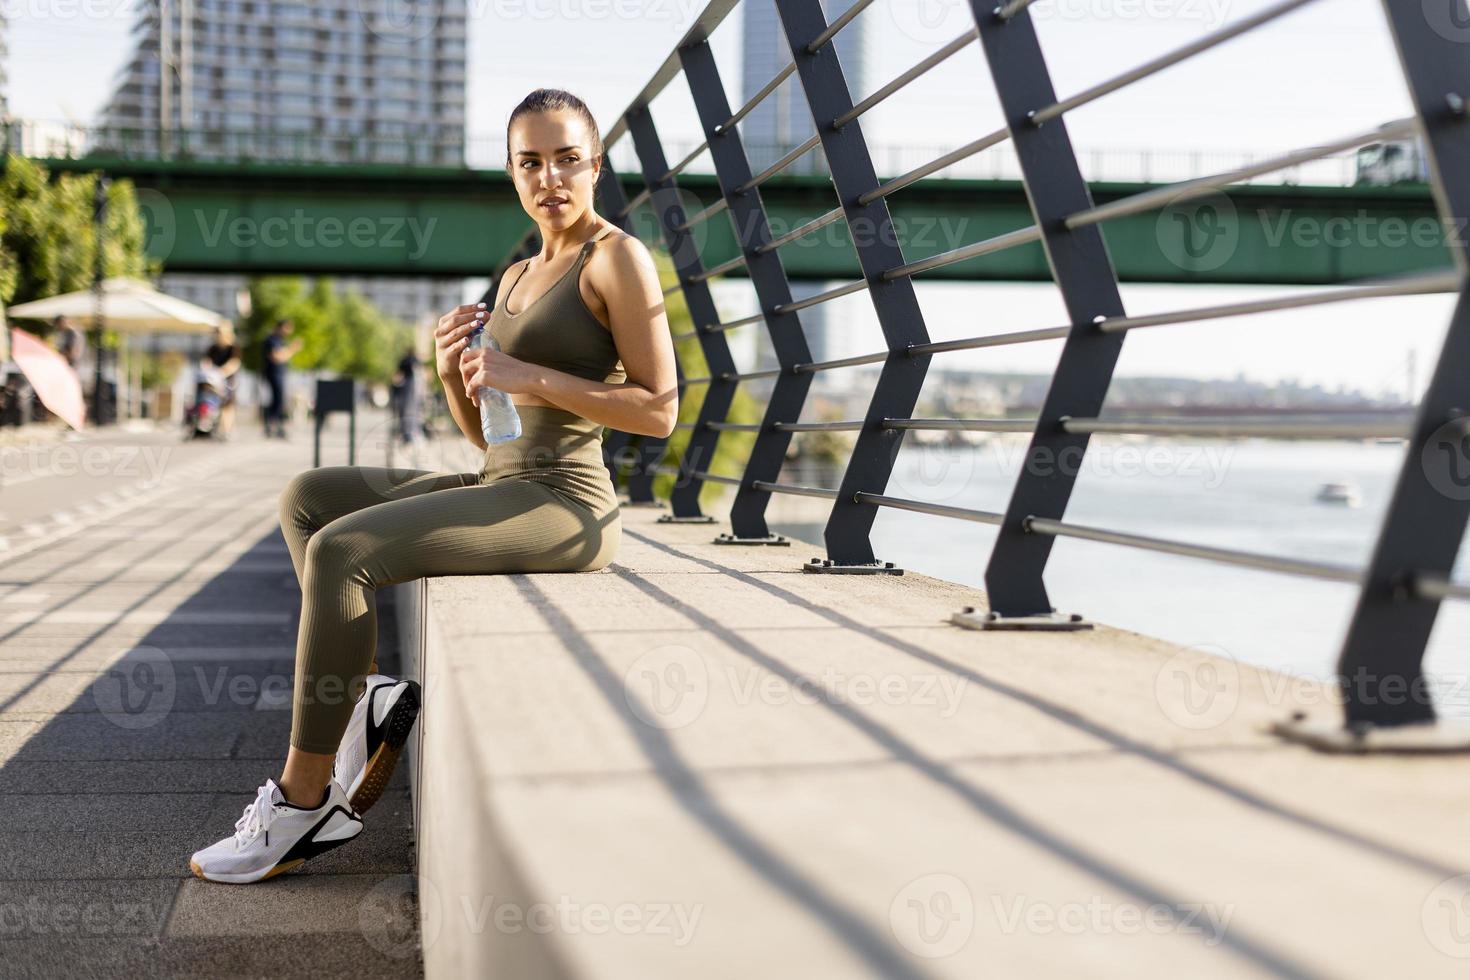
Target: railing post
897	307
1380	665
720	390
768	277
1089	289
618	444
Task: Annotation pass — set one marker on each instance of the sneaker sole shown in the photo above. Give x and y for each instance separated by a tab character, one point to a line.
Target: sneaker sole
379	769
314	848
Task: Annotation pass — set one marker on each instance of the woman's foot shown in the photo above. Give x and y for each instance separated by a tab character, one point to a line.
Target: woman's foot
273	836
376	734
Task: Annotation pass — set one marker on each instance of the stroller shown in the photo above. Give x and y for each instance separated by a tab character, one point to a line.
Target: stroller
201	419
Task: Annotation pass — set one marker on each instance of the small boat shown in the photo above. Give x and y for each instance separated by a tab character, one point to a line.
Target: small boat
1343	494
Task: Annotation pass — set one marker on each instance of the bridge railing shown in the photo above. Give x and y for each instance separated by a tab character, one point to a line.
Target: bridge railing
428	146
433	146
1409	574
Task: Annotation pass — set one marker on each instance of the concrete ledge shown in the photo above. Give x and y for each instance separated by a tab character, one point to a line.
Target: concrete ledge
702	763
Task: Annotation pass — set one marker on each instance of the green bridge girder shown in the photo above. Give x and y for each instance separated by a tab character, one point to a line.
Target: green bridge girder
260	218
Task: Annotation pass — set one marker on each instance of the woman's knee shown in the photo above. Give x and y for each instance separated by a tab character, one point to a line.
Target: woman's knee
345	553
303	498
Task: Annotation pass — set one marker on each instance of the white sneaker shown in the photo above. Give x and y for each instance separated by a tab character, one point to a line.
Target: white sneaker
376	734
273	836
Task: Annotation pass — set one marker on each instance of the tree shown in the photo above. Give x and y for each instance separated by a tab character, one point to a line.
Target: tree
342	333
733	449
48	241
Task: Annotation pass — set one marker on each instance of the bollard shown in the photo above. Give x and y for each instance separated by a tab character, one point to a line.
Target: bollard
335	395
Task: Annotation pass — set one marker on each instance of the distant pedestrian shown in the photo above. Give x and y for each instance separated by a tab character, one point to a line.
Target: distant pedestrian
70	343
406	397
274	354
224	354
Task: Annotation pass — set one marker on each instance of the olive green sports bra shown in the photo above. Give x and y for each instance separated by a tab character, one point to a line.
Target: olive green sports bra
558	330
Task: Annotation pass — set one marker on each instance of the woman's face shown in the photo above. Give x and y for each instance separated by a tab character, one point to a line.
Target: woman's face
550	160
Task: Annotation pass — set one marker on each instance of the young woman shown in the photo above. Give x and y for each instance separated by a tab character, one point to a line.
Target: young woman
224	353
584	344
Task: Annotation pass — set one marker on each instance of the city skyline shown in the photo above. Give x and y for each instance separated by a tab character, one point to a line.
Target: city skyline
1320	56
324	77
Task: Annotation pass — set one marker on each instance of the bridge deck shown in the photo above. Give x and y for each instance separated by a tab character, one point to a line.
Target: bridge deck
749	771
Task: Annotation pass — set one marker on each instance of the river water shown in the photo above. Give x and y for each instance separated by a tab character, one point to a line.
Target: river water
1250	495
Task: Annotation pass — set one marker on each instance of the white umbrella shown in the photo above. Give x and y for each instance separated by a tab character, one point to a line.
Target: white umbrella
128	306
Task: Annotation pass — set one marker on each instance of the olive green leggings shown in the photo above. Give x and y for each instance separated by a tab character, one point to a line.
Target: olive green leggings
543	503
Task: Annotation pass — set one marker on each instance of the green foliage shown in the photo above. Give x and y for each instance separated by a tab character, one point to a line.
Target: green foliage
160	369
826	448
733	448
339	332
48	243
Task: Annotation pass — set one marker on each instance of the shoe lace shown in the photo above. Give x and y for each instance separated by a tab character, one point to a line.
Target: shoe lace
257	818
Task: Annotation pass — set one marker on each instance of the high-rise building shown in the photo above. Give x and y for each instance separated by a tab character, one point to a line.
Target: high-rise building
331	81
783	121
4	54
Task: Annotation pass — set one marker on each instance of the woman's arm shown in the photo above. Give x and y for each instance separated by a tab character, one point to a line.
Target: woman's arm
648	402
450	337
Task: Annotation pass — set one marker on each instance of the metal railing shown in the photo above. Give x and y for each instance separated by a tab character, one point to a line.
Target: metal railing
1409	573
414	146
443	146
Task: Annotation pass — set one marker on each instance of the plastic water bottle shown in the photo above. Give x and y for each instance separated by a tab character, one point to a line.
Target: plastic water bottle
499	420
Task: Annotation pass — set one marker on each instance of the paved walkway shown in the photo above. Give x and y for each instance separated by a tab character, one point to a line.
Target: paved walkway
703	762
147	625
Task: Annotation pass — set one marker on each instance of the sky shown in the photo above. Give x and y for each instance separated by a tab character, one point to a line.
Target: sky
1324	71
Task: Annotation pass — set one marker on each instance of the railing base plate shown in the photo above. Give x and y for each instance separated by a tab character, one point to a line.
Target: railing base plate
827	565
971	619
777	539
1332	736
656	504
688	519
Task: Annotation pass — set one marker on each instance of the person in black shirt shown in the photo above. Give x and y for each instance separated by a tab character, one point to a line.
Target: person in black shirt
224	353
406	395
275	353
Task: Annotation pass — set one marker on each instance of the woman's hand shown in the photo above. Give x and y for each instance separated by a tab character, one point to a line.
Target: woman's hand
451	335
483	367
